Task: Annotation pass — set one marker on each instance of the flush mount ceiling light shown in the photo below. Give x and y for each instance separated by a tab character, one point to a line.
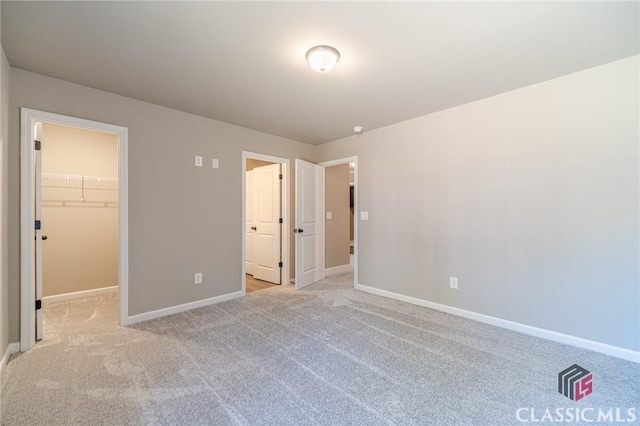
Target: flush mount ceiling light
322	58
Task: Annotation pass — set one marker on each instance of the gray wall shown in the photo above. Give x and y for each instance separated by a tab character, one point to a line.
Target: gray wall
5	72
530	198
337	228
182	219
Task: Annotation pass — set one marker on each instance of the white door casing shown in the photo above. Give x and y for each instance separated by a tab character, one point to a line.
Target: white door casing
250	203
267	253
28	118
37	192
348	160
309	223
285	207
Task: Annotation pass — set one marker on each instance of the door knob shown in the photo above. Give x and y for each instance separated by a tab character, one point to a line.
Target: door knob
44	237
298	231
254	228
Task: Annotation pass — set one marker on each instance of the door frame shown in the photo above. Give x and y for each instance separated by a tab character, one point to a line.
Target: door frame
284	195
28	117
337	162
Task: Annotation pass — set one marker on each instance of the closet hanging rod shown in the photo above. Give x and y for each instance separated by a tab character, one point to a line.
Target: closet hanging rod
84	184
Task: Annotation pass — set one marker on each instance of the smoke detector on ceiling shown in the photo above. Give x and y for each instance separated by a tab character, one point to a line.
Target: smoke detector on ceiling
357	130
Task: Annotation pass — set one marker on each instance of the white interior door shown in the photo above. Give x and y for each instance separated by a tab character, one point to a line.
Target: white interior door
37	182
250	228
267	255
309	224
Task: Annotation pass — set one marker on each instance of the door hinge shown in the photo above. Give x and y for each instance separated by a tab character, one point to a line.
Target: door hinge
38	146
280	176
38	305
38	225
280	220
280	264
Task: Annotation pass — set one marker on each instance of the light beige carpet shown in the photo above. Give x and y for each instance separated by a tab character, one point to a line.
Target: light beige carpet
324	355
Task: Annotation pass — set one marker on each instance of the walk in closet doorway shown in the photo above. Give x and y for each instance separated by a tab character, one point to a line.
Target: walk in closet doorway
79	221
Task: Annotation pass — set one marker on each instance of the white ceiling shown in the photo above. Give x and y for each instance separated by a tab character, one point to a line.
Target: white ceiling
243	62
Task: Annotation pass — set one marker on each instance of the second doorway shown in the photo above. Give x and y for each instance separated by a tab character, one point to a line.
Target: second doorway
264	222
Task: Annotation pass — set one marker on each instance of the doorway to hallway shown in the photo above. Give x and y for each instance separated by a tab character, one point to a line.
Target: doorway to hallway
341	217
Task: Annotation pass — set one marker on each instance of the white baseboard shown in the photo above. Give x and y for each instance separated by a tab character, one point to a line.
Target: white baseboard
567	339
79	294
12	348
181	308
338	269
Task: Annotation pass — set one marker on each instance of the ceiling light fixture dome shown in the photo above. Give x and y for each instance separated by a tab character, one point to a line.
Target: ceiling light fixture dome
322	58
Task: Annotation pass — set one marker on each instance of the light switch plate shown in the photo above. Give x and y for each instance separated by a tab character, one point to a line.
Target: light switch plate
364	215
197	278
215	163
198	161
329	215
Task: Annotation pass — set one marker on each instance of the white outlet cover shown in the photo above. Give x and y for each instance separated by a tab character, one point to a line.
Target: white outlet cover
198	161
215	163
453	283
329	215
364	215
197	278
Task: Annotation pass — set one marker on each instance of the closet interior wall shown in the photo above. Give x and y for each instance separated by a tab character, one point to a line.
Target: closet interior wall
79	209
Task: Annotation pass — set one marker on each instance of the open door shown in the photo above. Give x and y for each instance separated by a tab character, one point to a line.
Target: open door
309	224
37	190
267	242
250	228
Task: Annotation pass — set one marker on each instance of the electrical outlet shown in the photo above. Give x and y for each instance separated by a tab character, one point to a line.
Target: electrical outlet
364	215
329	215
198	161
215	163
453	283
197	278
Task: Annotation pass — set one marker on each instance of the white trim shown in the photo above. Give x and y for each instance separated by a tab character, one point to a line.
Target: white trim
27	287
286	213
616	351
159	313
27	244
12	348
337	269
356	220
80	294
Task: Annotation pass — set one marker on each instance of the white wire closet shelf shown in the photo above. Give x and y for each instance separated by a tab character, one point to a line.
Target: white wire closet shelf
79	189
